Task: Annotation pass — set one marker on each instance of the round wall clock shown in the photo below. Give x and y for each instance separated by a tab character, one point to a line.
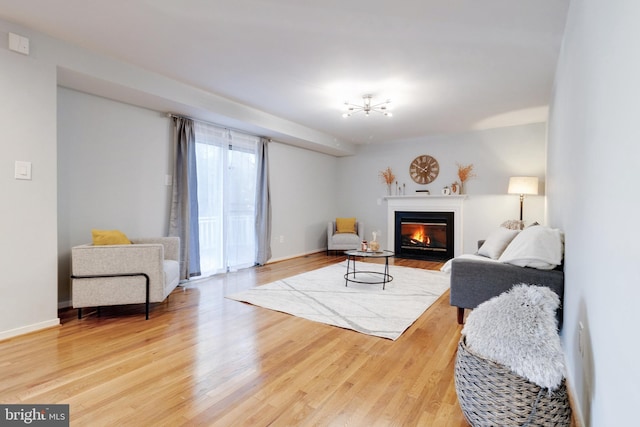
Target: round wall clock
424	169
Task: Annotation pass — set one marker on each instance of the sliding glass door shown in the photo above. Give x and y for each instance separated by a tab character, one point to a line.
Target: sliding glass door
226	163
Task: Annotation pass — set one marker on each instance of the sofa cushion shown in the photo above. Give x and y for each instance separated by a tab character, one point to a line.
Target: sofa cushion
497	242
513	224
109	237
446	268
345	239
345	225
537	247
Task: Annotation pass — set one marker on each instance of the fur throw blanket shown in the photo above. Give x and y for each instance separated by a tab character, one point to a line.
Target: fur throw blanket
518	329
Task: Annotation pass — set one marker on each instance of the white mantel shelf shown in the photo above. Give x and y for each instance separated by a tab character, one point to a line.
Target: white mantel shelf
425	196
427	203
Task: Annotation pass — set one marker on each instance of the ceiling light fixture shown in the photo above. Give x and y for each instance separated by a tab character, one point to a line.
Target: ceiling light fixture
367	107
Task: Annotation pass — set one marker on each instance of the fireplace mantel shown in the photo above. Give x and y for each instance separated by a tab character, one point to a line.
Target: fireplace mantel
426	203
426	196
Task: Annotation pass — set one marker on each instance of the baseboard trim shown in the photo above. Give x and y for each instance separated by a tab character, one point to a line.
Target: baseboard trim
576	414
285	258
4	335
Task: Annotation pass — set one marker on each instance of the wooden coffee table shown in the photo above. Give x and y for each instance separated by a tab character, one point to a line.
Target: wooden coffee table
352	273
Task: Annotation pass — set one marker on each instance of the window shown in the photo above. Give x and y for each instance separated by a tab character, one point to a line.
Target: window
226	163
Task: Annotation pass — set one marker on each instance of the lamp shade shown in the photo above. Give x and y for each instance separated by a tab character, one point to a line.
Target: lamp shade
523	185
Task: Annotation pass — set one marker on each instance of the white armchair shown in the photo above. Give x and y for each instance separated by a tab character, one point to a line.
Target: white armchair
146	271
344	241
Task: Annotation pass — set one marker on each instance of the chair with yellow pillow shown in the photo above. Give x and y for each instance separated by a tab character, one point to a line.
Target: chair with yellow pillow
116	270
344	234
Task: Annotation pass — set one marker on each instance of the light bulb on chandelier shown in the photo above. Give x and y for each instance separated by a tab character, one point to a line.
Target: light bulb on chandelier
367	107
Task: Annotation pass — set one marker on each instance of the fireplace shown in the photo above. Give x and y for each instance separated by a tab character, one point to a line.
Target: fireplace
424	235
434	204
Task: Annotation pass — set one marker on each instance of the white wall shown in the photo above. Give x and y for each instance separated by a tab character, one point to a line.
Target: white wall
112	163
496	155
28	215
592	195
303	196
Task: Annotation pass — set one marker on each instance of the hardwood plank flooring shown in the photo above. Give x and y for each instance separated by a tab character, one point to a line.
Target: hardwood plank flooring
205	360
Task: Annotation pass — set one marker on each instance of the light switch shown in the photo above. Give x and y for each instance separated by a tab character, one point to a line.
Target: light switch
22	170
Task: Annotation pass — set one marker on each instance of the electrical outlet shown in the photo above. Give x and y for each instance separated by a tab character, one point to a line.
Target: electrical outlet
18	43
281	239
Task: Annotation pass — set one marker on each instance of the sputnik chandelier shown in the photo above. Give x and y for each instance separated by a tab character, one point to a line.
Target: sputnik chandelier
367	107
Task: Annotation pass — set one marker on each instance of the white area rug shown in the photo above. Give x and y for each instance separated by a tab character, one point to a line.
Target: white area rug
320	295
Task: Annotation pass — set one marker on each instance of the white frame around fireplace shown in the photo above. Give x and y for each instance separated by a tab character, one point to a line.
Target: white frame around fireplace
426	204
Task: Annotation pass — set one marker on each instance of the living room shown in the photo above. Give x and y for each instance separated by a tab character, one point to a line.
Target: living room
585	155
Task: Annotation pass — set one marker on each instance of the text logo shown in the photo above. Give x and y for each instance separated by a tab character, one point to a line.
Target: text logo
34	415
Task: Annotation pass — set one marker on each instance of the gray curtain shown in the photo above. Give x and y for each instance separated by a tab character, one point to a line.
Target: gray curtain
263	204
183	220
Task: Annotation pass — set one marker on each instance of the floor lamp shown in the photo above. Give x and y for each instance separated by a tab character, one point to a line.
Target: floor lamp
523	185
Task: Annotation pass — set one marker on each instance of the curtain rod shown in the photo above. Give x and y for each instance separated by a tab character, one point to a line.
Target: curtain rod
178	116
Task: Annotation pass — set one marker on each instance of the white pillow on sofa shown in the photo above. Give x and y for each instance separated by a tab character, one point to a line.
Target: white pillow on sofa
497	242
537	247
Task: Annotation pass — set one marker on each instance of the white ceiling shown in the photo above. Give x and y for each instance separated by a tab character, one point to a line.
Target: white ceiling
447	65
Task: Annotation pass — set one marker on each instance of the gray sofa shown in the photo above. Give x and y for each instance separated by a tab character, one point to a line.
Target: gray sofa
476	281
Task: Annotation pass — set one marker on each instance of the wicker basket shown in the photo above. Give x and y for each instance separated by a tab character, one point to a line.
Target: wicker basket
492	395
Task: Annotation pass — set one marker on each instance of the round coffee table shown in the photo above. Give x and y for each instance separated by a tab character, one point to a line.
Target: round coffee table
352	273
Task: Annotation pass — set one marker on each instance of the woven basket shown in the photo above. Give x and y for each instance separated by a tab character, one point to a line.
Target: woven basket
492	395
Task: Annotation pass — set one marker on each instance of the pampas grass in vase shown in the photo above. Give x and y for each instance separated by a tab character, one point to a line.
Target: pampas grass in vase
464	173
388	178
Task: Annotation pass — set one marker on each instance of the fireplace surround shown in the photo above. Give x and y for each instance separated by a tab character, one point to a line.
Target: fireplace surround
424	235
427	203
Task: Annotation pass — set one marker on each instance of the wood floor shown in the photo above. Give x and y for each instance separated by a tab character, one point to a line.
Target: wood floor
202	359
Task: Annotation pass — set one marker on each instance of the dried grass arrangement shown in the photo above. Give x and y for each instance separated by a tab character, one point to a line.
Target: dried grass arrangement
387	176
465	172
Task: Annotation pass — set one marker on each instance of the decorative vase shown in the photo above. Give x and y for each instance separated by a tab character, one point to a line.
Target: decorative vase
389	190
374	245
463	189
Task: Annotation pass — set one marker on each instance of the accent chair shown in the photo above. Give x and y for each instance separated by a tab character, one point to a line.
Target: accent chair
344	235
143	272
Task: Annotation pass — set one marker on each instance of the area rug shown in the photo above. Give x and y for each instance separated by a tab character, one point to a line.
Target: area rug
320	295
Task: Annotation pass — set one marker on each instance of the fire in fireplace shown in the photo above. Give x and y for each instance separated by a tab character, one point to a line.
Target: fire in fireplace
424	235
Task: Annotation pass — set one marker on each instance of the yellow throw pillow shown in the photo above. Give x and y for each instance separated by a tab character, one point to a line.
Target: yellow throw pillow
109	237
345	225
